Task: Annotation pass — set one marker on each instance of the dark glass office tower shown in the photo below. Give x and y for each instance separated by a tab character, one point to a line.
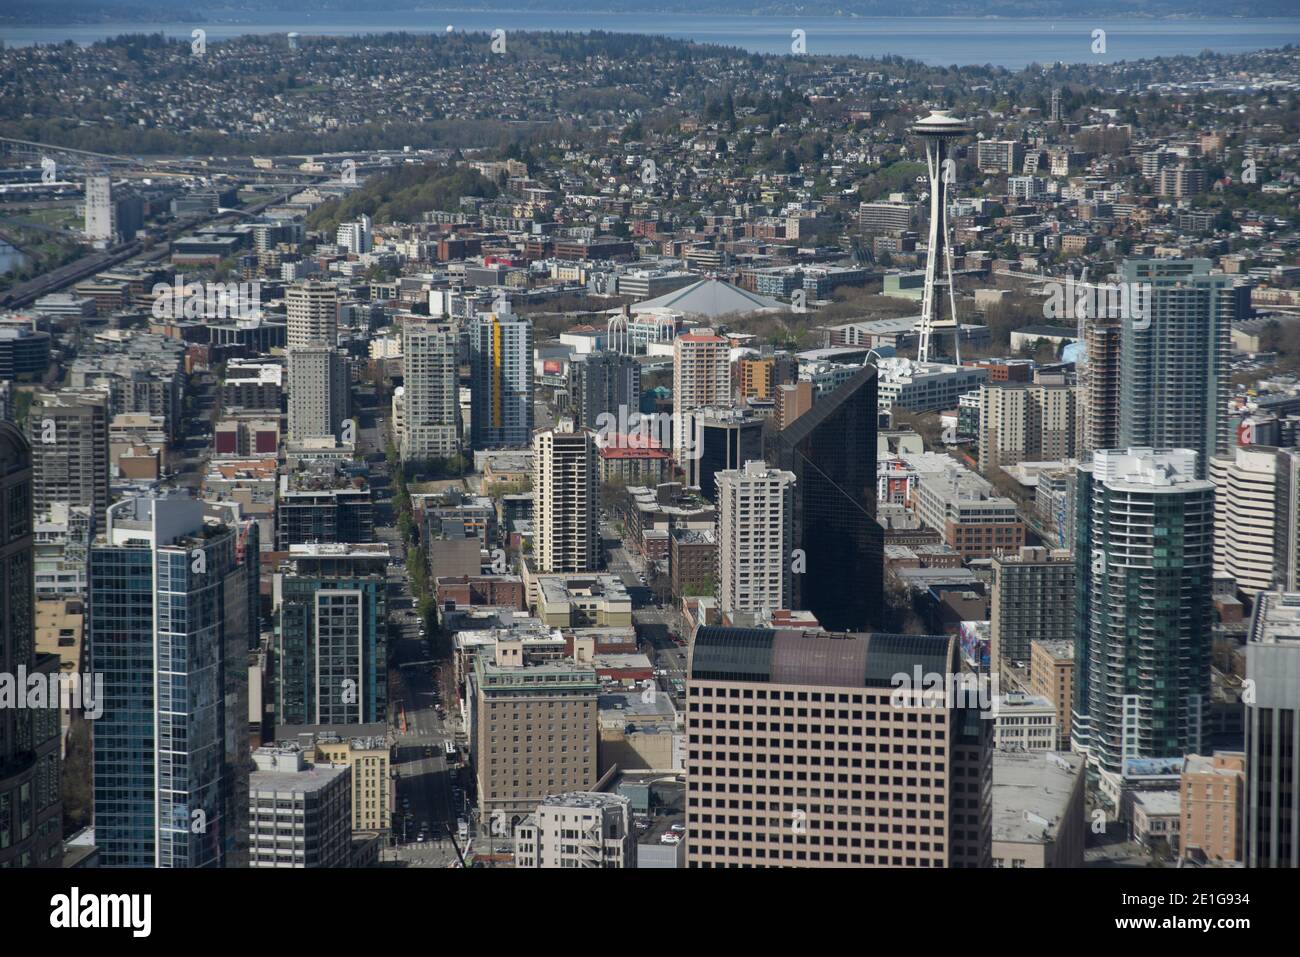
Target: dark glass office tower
168	630
831	449
31	812
725	440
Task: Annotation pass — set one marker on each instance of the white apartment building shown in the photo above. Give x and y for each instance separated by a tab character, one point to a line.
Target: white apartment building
925	386
299	815
566	499
755	535
701	377
1257	517
312	309
100	221
318	392
1024	722
430	398
580	829
356	237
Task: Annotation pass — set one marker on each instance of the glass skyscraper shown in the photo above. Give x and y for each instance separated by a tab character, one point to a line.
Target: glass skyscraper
1173	359
168	628
831	449
1144	574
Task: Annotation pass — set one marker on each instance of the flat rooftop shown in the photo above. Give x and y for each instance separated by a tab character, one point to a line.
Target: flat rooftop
1031	792
312	778
1058	648
1159	803
1277	618
633	705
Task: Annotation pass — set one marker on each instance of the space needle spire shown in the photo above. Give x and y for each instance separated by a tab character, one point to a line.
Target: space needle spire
935	131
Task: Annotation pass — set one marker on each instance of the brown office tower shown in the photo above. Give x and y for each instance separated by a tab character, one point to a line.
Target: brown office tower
535	729
802	751
793	399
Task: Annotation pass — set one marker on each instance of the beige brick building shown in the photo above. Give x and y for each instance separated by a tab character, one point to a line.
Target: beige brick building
362	747
701	378
801	752
1211	806
1025	422
1051	675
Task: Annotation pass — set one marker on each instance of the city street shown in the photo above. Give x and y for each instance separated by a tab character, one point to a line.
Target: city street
654	623
426	802
424	794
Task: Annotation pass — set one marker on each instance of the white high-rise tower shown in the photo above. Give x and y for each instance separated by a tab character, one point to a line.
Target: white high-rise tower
936	130
101	223
566	498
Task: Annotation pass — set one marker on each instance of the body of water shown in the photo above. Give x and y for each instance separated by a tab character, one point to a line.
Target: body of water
940	41
10	258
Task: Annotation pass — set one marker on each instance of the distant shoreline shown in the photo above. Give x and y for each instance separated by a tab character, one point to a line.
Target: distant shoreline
985	40
181	19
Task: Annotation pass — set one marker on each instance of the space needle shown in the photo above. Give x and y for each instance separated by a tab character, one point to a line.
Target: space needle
936	130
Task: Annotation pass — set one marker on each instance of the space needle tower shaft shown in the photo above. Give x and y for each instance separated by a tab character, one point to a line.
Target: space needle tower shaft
936	131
